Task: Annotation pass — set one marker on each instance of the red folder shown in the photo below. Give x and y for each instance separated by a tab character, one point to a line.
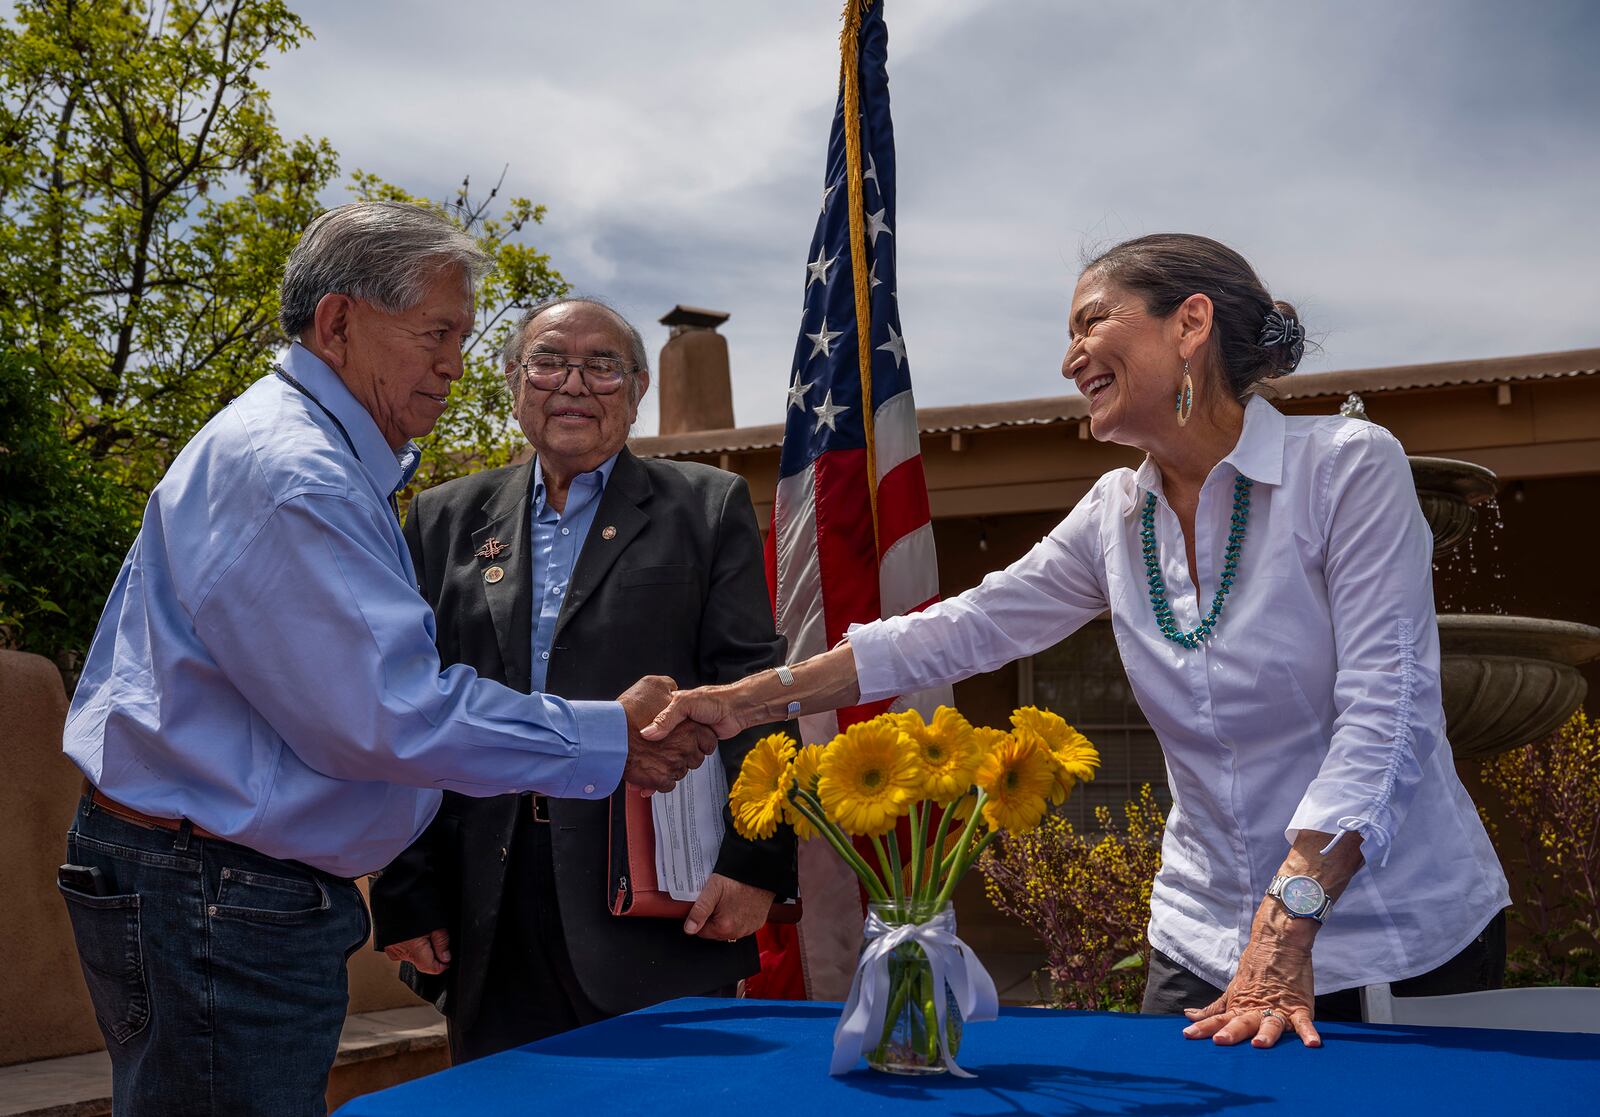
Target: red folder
633	888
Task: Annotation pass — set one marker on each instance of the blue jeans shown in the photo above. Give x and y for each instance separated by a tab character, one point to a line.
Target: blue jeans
217	973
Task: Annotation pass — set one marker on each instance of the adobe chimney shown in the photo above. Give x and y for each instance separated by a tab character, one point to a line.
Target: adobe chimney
696	388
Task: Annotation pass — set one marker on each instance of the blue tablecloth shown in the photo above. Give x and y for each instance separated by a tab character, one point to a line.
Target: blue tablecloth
770	1059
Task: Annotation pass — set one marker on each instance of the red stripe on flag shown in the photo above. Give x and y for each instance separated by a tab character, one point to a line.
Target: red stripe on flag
769	556
902	503
847	554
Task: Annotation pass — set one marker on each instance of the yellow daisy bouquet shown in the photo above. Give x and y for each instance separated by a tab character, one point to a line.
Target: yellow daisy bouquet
949	788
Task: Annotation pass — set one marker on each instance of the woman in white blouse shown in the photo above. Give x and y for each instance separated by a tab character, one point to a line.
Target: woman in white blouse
1269	579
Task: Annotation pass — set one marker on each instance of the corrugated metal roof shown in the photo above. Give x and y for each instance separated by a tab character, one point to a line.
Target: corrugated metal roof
1061	409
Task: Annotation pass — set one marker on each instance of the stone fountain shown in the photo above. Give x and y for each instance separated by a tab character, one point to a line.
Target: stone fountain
1507	681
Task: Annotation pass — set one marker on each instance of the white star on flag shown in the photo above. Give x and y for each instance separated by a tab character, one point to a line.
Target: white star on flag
826	412
871	173
819	268
896	345
872	276
797	391
822	341
827	193
875	225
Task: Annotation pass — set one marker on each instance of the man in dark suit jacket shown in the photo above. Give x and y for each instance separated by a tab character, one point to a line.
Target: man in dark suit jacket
501	905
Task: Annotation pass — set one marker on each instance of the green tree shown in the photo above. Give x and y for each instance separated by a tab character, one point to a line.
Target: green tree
63	527
147	204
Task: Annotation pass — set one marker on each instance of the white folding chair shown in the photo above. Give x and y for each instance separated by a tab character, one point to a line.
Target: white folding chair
1546	1009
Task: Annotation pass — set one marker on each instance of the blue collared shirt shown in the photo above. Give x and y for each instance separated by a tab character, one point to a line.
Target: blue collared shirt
265	666
557	540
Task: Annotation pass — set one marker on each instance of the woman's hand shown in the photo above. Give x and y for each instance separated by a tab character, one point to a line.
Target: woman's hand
719	707
823	682
1271	991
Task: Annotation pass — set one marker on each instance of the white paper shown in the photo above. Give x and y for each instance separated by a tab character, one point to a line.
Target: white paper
689	828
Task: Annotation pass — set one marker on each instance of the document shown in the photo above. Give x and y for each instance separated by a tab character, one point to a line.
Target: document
689	828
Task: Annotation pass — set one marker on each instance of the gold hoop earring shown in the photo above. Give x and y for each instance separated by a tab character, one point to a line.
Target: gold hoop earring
1185	404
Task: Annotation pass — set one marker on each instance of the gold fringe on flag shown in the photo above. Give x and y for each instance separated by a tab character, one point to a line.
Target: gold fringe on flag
850	76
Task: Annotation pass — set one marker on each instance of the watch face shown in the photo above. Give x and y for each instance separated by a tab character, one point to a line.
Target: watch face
1302	895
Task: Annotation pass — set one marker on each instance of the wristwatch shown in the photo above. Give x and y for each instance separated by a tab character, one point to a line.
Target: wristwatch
1301	897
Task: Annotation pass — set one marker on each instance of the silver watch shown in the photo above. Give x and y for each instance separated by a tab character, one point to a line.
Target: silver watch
1302	897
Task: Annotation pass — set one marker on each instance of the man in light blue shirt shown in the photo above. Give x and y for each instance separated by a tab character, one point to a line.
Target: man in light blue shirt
262	714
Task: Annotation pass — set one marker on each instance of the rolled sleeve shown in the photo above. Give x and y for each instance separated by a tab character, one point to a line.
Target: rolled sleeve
1389	718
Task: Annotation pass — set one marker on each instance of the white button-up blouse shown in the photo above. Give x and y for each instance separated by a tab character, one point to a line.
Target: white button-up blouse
1315	704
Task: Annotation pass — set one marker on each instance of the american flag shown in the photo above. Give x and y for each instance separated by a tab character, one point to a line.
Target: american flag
851	538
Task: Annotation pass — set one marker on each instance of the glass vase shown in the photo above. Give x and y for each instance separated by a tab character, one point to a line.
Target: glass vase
910	1040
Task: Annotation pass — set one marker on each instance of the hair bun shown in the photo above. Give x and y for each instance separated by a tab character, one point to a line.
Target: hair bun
1283	334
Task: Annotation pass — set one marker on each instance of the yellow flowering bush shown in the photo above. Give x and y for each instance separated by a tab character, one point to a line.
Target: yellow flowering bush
1550	845
957	787
1087	898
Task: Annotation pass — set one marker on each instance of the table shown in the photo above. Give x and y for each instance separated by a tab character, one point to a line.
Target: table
701	1056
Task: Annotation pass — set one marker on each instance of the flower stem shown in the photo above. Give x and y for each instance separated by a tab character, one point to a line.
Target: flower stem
936	850
899	865
889	875
919	838
952	867
812	809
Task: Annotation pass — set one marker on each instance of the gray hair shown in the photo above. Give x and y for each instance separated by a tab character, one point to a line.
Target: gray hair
384	253
511	351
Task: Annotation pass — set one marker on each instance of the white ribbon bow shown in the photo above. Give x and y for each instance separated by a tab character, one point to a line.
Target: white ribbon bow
953	966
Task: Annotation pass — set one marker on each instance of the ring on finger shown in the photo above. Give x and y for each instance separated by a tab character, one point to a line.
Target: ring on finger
1268	1013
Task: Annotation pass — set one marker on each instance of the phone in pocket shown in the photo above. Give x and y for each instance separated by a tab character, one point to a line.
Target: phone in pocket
83	878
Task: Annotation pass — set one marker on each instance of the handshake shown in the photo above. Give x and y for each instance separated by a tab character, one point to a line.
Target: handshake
658	760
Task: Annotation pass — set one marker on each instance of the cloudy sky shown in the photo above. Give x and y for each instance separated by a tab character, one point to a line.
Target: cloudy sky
1421	178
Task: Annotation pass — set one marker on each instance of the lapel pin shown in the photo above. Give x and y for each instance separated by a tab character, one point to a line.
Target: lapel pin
494	574
609	532
490	550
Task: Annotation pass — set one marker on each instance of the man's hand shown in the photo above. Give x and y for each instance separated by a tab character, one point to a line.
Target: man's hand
430	953
727	910
658	765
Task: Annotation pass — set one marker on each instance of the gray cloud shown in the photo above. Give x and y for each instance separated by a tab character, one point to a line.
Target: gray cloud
1416	177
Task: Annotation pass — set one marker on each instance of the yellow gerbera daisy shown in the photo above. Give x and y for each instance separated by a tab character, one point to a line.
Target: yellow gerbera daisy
948	749
1074	756
869	776
804	769
762	789
1019	774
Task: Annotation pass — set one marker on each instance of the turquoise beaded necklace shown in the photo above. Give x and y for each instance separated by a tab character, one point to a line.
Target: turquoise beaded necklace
1230	567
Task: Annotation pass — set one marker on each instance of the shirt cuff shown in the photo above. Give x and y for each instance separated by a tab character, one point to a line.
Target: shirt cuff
875	656
1327	812
602	750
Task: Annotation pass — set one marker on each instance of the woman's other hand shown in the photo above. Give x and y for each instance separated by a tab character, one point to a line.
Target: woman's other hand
1271	991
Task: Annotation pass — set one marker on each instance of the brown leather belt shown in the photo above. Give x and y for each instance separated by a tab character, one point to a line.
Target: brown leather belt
139	818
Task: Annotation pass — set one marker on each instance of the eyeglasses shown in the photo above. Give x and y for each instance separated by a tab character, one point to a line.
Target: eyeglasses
549	371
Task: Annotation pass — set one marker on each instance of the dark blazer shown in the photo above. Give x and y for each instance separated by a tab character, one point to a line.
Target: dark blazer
677	590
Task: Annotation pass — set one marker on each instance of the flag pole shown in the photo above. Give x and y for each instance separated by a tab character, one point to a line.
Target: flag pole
850	74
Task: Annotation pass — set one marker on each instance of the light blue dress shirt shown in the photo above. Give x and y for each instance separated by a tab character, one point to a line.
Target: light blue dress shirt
265	666
557	540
